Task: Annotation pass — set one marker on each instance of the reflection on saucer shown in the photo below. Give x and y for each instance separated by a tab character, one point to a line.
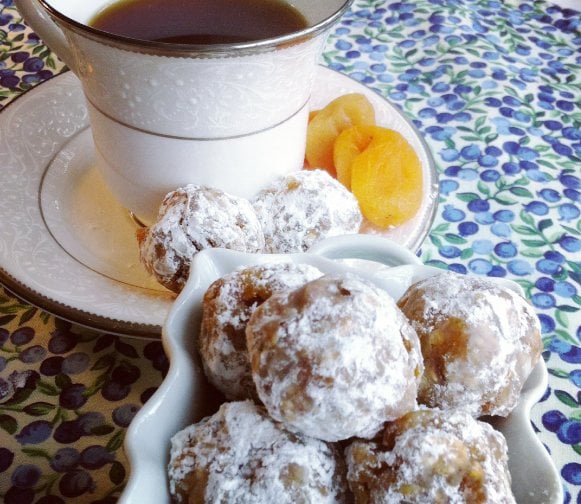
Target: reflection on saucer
85	218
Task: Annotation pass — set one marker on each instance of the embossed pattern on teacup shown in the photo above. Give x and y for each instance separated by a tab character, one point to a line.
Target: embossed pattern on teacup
202	98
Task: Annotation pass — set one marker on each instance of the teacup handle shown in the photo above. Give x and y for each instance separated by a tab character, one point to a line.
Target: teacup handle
40	21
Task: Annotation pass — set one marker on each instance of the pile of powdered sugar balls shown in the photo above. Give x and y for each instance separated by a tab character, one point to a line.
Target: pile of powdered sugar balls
351	396
289	215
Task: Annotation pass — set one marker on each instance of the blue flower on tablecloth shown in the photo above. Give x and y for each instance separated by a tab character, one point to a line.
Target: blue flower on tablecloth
30	62
62	405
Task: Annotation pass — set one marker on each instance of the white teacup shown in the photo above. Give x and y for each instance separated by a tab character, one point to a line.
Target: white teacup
231	116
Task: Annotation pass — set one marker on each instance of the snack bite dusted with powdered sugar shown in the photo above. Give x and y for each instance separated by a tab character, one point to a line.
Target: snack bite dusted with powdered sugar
193	218
431	456
241	455
343	403
304	207
335	358
479	342
291	215
227	306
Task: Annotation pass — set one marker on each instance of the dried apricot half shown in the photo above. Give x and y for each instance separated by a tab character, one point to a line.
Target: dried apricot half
386	179
352	142
326	125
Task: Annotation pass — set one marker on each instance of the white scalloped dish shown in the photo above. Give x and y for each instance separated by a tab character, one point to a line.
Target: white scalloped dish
184	396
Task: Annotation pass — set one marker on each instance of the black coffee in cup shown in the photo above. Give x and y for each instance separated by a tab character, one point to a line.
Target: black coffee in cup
200	21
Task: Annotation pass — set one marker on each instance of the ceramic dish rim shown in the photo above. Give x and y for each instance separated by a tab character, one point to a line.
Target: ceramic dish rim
184	361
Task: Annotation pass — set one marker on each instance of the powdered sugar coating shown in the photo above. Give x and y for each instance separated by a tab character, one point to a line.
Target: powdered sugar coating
193	218
334	359
240	456
227	306
302	208
479	341
440	457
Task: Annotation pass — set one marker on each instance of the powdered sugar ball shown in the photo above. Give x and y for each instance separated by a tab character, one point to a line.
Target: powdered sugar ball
479	341
191	219
227	306
300	209
334	359
431	456
241	456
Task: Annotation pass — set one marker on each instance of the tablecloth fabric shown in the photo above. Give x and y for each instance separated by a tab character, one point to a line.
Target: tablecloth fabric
495	89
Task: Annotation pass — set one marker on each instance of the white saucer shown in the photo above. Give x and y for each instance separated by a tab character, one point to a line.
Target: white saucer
68	247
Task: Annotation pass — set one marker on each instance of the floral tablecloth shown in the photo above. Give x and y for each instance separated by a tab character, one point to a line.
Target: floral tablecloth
495	88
